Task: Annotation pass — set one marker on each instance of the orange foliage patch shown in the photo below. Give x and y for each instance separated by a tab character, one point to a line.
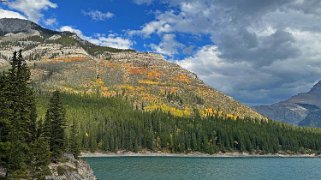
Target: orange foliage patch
67	59
182	78
153	74
71	59
107	64
137	71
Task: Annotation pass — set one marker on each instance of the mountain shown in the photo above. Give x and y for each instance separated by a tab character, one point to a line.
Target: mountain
303	109
13	26
62	60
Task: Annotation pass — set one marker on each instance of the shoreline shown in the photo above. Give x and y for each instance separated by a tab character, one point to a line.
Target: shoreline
194	154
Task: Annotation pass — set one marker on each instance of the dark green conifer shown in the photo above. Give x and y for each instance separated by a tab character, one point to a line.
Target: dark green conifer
74	140
55	126
39	154
19	116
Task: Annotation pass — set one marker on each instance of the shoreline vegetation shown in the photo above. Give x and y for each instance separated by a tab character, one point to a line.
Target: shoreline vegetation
194	154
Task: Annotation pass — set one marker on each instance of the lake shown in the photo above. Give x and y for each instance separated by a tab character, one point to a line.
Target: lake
175	168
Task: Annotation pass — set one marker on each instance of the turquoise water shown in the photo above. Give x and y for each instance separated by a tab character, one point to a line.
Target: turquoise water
176	168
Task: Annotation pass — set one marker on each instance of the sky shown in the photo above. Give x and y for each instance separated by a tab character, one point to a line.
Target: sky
257	51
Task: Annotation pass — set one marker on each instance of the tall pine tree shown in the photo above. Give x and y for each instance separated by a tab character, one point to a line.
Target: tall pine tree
39	153
74	147
19	115
55	124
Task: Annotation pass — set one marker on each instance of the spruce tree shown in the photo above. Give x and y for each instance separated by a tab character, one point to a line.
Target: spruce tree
19	115
55	126
39	154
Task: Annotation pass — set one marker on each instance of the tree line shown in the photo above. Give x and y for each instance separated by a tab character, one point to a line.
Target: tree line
111	124
28	144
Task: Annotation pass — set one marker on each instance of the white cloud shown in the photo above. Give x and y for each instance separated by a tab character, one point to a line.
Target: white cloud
192	18
73	30
10	14
158	27
98	15
32	9
111	40
51	21
168	46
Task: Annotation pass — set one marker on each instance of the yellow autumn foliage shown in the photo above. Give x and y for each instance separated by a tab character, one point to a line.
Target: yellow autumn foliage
126	87
231	116
211	112
172	110
149	98
149	82
182	78
99	82
169	90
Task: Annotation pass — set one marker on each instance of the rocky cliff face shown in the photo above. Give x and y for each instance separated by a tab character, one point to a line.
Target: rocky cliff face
303	109
61	60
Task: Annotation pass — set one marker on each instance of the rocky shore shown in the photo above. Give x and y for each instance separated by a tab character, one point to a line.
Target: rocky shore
72	169
194	154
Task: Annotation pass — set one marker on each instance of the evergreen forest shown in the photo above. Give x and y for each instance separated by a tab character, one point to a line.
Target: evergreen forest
112	124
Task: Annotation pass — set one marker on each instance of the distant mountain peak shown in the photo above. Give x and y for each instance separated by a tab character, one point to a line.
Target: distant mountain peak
316	88
9	25
14	25
302	109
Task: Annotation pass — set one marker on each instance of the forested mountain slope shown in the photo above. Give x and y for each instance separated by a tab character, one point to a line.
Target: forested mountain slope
111	124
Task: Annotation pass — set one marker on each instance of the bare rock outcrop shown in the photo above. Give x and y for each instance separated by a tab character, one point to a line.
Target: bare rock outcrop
72	169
